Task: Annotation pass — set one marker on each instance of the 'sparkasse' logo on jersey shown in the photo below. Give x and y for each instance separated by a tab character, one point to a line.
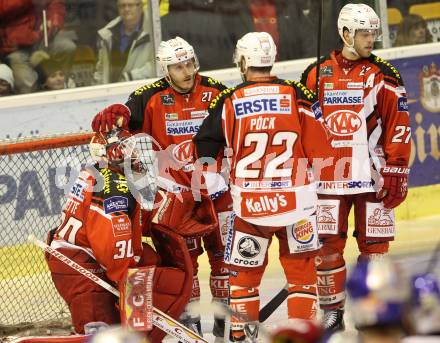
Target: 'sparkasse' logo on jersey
183	127
343	97
269	104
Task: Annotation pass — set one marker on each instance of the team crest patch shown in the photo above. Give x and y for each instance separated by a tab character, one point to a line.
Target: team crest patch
380	221
326	71
430	88
167	99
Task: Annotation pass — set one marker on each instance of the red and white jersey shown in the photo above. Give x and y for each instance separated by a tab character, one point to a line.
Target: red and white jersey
105	223
365	107
172	119
268	127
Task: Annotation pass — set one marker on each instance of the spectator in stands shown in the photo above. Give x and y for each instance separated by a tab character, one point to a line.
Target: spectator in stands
125	45
22	31
412	30
283	19
6	80
51	74
201	22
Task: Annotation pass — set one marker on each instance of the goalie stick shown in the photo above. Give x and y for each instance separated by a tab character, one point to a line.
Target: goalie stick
160	319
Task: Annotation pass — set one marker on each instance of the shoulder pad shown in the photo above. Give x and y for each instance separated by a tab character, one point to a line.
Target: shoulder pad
152	87
386	67
210	82
302	92
221	96
114	183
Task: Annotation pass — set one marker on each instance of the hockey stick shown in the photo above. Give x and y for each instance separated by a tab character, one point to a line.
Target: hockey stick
273	304
160	319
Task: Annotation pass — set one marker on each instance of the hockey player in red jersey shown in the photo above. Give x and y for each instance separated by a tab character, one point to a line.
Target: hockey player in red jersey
266	124
101	230
365	108
171	110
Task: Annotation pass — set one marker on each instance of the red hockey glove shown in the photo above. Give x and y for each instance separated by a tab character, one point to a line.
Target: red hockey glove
395	185
116	115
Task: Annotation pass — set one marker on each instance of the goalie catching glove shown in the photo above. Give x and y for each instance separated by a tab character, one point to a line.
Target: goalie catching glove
183	215
395	185
116	115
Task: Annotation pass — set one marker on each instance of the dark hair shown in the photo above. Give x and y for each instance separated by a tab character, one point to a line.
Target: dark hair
407	24
261	69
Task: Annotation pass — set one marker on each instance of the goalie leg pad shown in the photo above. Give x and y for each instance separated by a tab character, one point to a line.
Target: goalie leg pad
87	301
93	307
172	286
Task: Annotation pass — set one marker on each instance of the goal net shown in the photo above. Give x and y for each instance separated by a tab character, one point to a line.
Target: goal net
35	175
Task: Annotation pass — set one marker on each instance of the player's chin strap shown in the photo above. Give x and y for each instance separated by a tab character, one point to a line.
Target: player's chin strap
350	47
160	319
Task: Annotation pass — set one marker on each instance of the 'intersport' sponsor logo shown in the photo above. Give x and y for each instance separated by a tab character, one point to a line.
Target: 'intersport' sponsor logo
269	104
183	127
343	97
344	184
267	184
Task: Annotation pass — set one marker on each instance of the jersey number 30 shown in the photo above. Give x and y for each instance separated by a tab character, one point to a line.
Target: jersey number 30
273	167
125	249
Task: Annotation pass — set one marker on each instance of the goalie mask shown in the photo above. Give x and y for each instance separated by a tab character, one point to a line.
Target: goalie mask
174	51
135	156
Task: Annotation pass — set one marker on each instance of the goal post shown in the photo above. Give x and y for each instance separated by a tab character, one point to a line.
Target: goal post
35	174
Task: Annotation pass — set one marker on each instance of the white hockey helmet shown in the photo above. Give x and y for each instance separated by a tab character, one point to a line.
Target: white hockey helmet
174	51
257	48
357	17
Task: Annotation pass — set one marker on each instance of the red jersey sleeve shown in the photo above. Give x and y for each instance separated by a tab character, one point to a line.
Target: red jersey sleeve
393	110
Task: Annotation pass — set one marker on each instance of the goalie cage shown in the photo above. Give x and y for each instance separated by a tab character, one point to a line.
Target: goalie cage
35	173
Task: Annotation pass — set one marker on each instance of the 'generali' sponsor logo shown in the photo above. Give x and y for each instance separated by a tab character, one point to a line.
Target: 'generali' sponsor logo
183	152
255	205
344	122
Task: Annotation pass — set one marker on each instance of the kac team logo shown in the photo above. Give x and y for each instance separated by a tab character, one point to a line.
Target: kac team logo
183	152
248	247
343	122
303	232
